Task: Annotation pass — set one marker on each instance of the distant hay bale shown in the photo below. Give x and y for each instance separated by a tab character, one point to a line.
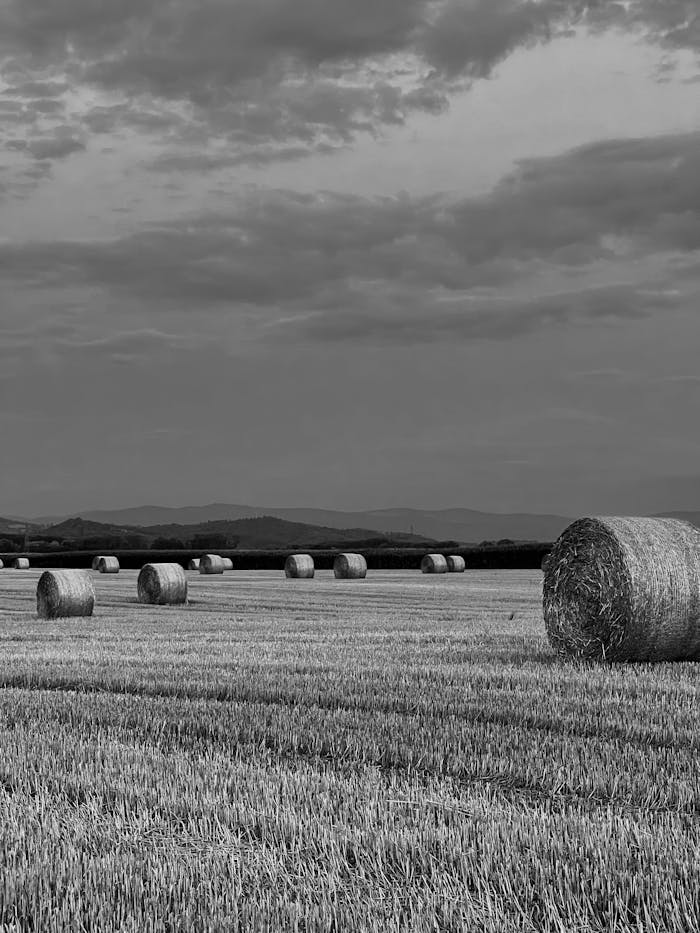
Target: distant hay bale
64	593
21	563
228	563
162	584
624	589
544	562
433	563
1	565
456	564
299	566
106	564
350	567
211	563
193	564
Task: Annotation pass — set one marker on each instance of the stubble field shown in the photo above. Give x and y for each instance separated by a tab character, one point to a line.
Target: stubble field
398	753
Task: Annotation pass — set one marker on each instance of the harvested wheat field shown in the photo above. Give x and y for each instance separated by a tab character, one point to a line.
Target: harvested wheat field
396	753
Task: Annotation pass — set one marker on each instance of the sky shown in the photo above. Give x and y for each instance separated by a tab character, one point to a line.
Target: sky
350	254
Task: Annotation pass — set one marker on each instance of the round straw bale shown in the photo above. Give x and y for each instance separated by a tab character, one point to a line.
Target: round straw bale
456	564
228	563
162	584
433	563
1	565
350	567
211	563
21	563
106	564
299	566
62	593
193	564
624	589
544	562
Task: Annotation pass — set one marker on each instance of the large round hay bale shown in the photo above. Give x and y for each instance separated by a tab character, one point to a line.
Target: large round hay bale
63	593
21	563
624	589
433	563
193	564
106	564
350	567
162	584
299	566
211	563
1	565
228	563
456	563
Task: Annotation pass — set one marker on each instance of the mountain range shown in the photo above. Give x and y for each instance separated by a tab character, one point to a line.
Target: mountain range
463	525
458	524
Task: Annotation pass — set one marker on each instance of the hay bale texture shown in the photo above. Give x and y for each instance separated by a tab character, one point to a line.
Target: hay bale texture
433	563
624	589
299	566
350	567
228	563
211	563
456	564
1	565
64	593
162	584
105	564
21	563
193	564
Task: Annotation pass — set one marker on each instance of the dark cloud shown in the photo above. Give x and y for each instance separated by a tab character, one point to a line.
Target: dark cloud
48	147
37	89
343	265
295	72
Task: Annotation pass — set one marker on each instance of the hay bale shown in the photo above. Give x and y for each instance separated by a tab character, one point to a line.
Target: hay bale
350	567
1	565
63	593
433	563
193	564
544	562
21	563
624	589
228	563
456	564
106	564
211	563
162	584
299	566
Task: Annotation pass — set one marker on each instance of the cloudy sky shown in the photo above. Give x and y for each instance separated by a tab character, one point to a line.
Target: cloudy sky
350	254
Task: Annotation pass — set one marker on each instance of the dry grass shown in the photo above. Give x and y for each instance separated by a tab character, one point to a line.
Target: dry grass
397	756
625	589
299	566
162	584
434	563
64	593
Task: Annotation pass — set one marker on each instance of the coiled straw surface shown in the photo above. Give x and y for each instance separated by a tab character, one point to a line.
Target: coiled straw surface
21	563
456	564
106	564
624	589
299	566
162	584
211	563
63	593
350	567
433	563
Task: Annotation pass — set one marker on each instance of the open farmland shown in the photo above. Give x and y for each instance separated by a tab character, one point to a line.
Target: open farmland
398	753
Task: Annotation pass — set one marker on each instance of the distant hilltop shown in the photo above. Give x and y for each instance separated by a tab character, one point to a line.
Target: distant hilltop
466	526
